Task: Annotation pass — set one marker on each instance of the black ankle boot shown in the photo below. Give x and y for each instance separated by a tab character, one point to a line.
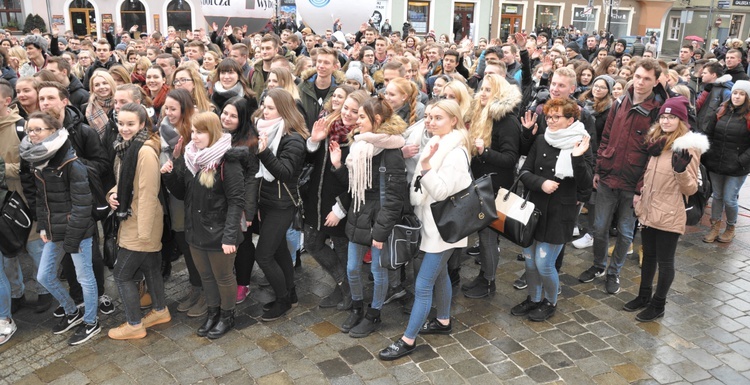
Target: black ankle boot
355	316
369	324
474	282
226	323
212	318
292	299
654	310
166	268
346	291
641	301
279	308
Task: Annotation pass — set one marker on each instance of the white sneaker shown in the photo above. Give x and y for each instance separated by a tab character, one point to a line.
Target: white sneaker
576	231
7	328
583	242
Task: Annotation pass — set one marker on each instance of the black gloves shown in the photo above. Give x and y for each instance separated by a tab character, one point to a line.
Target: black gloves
680	160
656	148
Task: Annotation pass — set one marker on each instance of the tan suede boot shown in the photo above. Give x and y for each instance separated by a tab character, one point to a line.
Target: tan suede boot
728	235
714	233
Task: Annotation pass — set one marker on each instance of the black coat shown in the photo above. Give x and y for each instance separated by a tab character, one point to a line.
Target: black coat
97	64
63	199
78	95
86	142
373	222
559	209
730	145
503	154
285	166
325	188
212	215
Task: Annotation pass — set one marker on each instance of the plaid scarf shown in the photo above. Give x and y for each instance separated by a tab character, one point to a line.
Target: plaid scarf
96	114
338	131
125	166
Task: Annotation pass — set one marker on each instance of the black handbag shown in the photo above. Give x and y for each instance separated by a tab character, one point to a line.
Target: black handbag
466	211
517	217
15	223
298	220
402	245
111	226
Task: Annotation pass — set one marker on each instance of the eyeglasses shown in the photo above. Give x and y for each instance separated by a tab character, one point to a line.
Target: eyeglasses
599	88
36	131
668	117
177	82
553	118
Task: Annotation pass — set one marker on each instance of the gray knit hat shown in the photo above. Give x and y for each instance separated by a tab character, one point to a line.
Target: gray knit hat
607	79
355	73
743	85
37	41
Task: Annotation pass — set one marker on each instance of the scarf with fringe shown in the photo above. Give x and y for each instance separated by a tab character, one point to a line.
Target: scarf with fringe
127	156
96	114
273	130
359	162
207	158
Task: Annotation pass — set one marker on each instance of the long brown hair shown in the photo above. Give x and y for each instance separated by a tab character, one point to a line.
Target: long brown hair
184	125
287	107
199	91
743	110
655	134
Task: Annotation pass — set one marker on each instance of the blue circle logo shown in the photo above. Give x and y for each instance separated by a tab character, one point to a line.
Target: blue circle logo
319	3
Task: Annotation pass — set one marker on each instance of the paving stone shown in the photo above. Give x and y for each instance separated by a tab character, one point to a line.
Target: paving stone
279	378
408	373
453	353
610	378
355	355
689	371
525	359
508	345
54	370
574	375
556	360
446	377
470	339
435	365
662	373
505	370
103	372
489	354
272	343
237	377
630	372
541	373
334	368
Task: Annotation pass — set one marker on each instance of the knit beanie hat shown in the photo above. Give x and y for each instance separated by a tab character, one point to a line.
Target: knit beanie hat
607	79
574	46
355	73
62	40
37	41
743	85
677	106
121	47
623	42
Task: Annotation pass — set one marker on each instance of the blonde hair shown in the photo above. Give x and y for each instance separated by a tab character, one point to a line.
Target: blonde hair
655	134
209	122
481	123
463	98
453	110
411	91
199	91
286	81
107	77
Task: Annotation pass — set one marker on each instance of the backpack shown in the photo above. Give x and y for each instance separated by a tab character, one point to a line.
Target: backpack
695	205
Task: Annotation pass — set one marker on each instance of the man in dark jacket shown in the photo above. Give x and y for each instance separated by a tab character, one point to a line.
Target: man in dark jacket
61	68
733	61
717	90
105	59
638	47
621	161
315	90
54	100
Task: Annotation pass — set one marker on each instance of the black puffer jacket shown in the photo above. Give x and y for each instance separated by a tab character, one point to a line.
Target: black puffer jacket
285	166
325	189
63	199
730	145
373	222
78	95
86	142
212	215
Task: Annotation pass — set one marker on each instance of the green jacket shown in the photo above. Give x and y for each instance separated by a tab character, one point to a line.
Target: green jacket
307	96
257	83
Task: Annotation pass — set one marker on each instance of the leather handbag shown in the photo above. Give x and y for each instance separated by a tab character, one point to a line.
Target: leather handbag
298	220
517	218
15	223
111	227
402	245
465	212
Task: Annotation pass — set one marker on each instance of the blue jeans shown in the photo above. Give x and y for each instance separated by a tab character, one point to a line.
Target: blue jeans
609	201
726	192
15	275
354	268
4	290
432	277
541	275
47	276
293	242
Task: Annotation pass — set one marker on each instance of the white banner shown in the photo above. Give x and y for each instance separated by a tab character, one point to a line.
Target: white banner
254	9
320	14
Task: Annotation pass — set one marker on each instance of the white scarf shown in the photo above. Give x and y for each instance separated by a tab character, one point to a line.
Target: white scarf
272	128
359	161
565	140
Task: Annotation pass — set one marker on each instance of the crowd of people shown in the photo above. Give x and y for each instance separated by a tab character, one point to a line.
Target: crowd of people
199	141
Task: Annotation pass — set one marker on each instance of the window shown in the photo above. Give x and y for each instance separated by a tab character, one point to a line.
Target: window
133	13
674	28
11	14
735	25
583	20
179	15
418	15
547	16
620	21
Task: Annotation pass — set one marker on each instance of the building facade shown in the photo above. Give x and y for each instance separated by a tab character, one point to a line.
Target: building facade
707	21
454	18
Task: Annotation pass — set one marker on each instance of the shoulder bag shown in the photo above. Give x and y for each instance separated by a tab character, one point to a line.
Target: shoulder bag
517	218
15	223
402	245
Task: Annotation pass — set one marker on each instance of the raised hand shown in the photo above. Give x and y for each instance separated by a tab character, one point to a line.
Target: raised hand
165	169
547	64
426	160
319	131
680	160
334	151
581	147
520	40
479	144
528	121
262	142
227	29
214	27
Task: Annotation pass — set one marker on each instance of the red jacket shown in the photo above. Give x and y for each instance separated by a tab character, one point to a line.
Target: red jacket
622	157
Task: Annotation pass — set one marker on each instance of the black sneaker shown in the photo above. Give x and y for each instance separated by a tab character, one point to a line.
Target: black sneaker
520	283
84	333
397	350
525	307
60	311
434	326
394	293
473	250
292	299
591	273
68	322
613	283
483	289
544	311
105	304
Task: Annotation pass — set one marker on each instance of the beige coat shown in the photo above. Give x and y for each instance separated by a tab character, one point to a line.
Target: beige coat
142	231
662	204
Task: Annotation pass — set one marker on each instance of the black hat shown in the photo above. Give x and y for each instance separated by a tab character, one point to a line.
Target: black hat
574	46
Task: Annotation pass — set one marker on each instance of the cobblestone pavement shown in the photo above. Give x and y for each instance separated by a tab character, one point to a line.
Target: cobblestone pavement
704	337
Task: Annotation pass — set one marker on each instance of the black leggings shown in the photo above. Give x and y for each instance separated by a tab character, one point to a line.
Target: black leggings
243	263
272	253
658	248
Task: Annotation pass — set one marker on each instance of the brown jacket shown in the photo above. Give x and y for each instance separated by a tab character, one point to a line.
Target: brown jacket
662	204
142	231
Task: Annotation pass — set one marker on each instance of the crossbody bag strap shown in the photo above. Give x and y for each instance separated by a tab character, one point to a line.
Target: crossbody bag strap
295	201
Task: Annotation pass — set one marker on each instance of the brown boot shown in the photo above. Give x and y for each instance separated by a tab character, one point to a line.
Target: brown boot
728	235
714	233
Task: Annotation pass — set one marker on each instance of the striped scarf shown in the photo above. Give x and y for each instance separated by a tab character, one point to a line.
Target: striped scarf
96	114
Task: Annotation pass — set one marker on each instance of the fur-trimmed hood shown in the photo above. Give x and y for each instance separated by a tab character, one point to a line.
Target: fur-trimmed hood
504	104
723	79
691	140
239	155
393	126
339	77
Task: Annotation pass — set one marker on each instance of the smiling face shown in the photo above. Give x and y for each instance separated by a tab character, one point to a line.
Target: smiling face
738	97
437	88
26	93
154	80
209	61
102	88
228	79
51	103
171	109
230	118
440	122
183	80
363	122
337	99
38	125
617	90
349	112
201	139
557	121
599	90
669	122
394	97
128	124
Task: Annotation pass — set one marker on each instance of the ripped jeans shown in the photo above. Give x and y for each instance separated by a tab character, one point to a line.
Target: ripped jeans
541	276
